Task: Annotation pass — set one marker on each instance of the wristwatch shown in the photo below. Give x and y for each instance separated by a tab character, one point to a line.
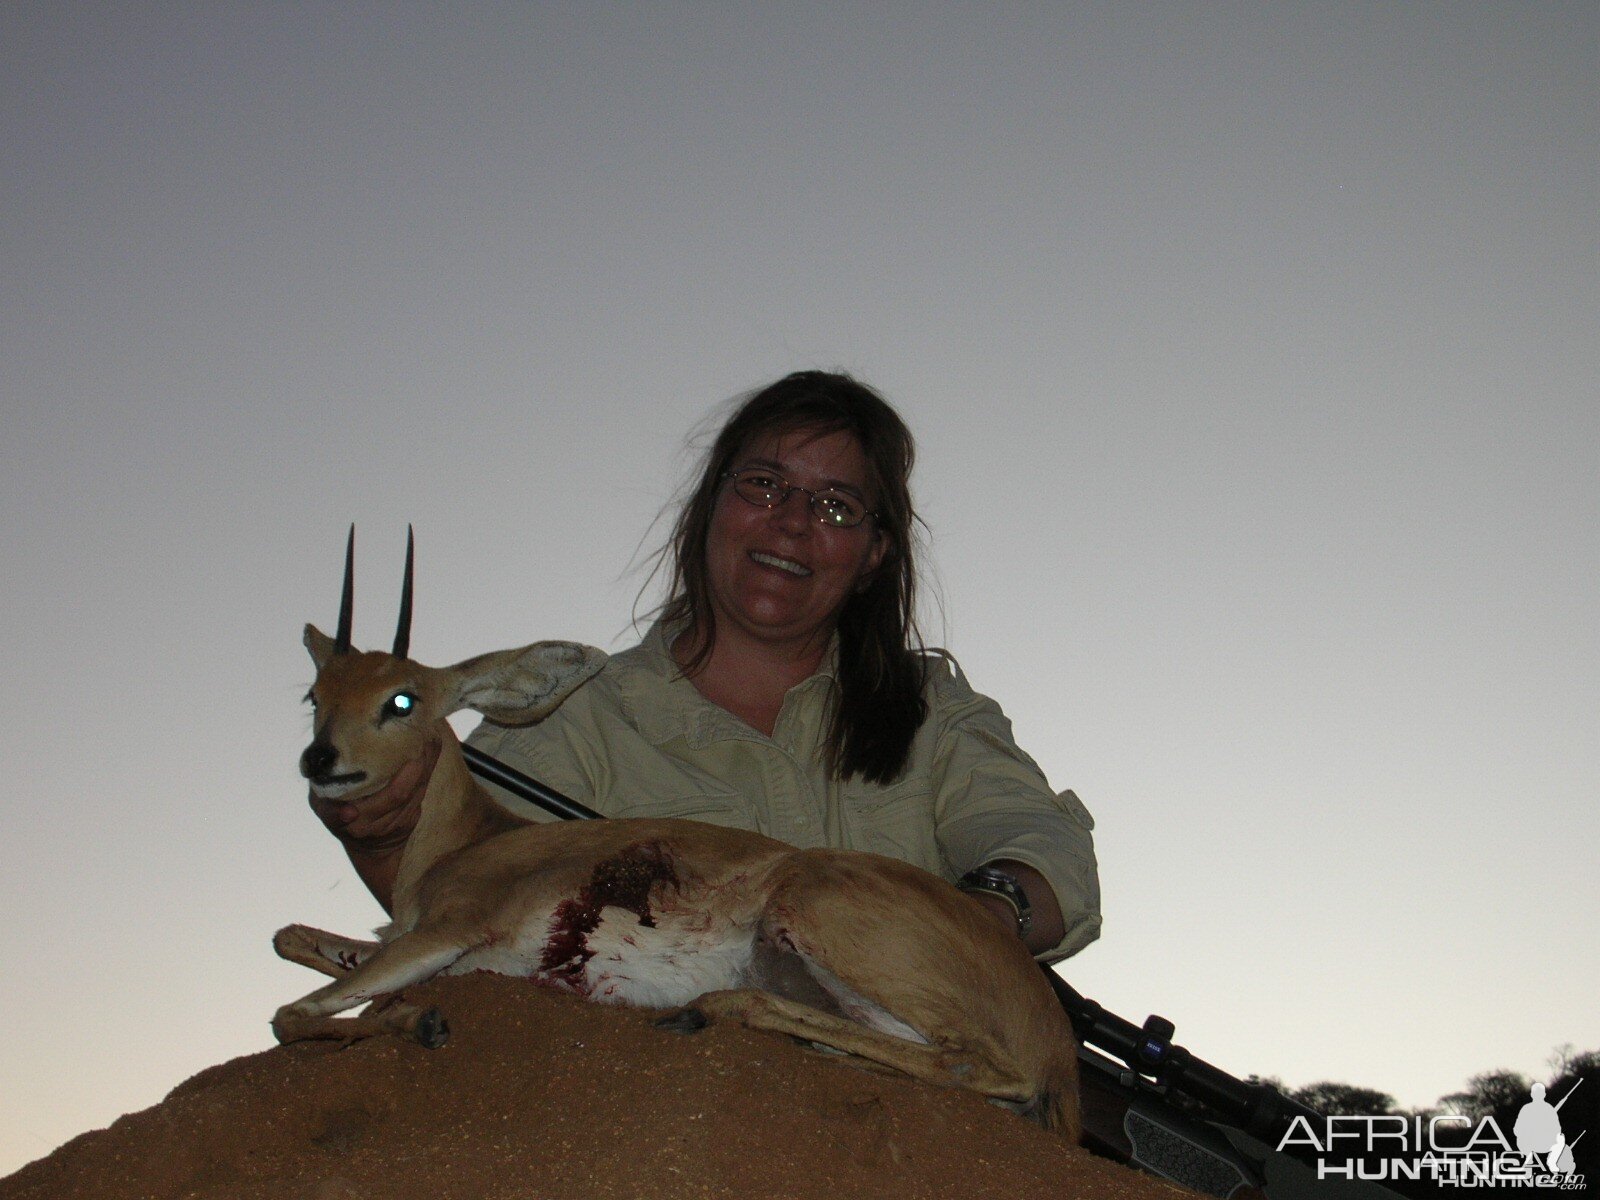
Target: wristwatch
993	881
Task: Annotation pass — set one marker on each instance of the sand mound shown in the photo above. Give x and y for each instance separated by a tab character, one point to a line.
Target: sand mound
539	1095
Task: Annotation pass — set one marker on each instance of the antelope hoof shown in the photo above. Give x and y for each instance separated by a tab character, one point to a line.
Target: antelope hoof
684	1021
285	1027
431	1030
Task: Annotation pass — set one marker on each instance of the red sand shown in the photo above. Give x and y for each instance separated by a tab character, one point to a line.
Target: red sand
540	1095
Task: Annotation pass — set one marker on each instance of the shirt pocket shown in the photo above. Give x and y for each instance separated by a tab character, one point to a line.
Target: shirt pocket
896	821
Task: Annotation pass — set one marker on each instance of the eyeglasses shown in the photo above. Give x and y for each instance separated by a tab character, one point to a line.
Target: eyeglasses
768	489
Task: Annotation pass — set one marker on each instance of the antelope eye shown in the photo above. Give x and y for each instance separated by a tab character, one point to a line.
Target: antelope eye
400	704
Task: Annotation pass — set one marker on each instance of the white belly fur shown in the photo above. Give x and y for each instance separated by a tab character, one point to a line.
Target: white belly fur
653	966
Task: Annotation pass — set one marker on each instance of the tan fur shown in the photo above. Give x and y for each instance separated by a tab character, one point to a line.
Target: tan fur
663	912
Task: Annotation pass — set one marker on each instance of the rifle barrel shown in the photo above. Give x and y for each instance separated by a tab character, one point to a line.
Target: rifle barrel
487	767
1570	1090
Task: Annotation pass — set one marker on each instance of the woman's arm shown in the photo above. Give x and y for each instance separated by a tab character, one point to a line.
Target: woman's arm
1047	927
993	807
374	830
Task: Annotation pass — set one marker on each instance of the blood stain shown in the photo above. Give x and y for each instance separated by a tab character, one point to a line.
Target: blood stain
623	881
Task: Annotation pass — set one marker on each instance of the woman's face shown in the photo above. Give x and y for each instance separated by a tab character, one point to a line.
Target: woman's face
778	574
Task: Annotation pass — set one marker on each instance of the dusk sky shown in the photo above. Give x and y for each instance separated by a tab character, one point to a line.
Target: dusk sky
1252	350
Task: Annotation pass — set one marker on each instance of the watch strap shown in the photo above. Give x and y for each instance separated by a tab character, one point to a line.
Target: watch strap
993	881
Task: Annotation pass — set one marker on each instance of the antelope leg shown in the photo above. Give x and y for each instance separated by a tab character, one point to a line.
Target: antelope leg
410	958
946	1065
322	951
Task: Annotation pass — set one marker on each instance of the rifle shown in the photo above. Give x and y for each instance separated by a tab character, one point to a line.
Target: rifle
1151	1103
1570	1090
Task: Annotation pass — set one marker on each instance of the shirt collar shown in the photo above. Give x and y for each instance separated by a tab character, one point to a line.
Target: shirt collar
663	705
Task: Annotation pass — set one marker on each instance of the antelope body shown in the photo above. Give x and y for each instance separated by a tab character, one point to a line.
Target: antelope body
857	952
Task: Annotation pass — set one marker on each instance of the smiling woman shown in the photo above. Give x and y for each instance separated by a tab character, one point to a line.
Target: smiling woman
784	688
852	454
778	572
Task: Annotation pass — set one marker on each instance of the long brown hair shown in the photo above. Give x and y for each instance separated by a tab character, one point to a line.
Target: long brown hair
879	704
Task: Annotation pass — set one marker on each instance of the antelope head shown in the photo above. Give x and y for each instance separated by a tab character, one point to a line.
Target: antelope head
375	712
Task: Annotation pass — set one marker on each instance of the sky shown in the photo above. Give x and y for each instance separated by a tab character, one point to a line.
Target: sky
1251	351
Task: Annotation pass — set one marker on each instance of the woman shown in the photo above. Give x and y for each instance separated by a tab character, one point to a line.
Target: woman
782	688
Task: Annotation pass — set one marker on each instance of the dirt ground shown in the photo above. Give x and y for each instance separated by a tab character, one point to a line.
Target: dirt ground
540	1095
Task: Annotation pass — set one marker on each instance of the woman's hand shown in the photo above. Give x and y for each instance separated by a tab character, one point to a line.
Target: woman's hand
382	822
376	828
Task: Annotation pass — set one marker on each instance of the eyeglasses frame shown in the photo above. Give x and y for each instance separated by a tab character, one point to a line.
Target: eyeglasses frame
788	489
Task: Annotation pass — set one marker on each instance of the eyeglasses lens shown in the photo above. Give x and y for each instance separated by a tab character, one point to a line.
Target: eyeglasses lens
834	509
766	490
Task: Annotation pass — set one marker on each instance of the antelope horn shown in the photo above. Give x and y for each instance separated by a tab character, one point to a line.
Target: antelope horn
402	633
341	642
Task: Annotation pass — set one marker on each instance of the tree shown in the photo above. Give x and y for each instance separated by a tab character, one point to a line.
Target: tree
1565	1062
1579	1105
1491	1094
1343	1100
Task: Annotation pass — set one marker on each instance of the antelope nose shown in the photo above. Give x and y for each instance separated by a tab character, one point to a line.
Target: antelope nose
317	760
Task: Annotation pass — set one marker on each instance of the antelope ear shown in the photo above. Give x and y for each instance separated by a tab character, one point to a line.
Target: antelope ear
518	687
319	644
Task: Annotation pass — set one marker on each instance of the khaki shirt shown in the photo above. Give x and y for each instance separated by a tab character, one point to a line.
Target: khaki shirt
638	740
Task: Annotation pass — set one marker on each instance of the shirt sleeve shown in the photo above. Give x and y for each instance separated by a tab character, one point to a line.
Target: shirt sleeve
991	801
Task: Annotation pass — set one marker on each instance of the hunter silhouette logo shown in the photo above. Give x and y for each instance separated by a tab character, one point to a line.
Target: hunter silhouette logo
1539	1136
1437	1148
